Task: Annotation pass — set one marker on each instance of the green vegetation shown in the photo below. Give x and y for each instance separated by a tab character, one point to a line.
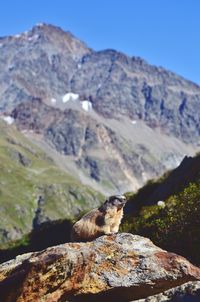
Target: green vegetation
26	173
171	183
175	227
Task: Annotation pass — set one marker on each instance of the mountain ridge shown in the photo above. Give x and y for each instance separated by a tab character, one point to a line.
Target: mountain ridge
138	59
122	102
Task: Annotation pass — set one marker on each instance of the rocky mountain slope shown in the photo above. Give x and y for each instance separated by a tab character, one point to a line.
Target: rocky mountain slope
171	183
33	189
112	121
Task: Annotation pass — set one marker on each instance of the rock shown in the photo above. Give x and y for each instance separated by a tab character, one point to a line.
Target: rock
20	158
40	216
188	292
120	267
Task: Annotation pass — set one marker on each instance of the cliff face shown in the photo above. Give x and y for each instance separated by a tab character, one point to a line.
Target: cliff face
117	121
124	86
121	267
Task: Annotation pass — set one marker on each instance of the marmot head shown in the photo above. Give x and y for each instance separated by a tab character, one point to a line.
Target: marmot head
117	201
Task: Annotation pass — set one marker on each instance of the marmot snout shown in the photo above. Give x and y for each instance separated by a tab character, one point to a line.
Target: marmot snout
102	221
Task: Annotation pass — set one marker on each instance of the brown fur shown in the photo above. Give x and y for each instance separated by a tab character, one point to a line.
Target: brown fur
102	221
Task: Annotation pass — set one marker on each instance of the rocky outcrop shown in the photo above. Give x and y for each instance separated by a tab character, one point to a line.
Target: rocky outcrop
120	85
120	267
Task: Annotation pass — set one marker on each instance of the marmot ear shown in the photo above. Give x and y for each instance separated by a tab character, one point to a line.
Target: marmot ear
104	206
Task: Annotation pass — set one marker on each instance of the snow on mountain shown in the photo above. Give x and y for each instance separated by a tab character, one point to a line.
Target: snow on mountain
70	96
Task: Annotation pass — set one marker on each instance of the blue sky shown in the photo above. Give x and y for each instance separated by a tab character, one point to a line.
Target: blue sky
164	32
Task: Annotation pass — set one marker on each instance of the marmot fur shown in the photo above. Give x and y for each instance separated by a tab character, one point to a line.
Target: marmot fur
102	221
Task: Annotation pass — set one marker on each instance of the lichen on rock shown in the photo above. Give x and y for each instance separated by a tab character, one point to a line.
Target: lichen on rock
120	267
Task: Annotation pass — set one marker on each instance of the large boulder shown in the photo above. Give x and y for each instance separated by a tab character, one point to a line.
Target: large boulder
120	267
188	292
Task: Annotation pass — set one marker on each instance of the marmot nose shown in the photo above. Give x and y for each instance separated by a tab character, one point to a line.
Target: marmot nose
120	197
124	200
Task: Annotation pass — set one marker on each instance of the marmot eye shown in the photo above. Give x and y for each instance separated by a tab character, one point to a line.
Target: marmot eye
121	200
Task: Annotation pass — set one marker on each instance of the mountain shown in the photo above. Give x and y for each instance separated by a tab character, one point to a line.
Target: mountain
33	189
110	120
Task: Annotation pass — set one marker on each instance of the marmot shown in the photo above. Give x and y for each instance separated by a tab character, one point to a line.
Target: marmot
102	221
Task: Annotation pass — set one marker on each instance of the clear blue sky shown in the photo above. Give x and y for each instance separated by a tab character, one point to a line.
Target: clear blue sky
164	32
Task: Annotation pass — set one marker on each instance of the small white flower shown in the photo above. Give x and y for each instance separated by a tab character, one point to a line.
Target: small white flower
161	203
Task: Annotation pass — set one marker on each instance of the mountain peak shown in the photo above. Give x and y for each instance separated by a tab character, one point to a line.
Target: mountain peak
50	28
48	34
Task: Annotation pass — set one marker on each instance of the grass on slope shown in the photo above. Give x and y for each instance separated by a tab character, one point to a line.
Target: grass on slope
25	174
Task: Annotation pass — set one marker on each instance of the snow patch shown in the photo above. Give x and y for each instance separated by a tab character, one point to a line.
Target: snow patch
86	105
79	66
40	24
70	96
33	38
8	119
134	122
53	100
17	36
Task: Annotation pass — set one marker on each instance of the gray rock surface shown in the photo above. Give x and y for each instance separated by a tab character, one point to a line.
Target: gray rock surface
120	267
188	292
